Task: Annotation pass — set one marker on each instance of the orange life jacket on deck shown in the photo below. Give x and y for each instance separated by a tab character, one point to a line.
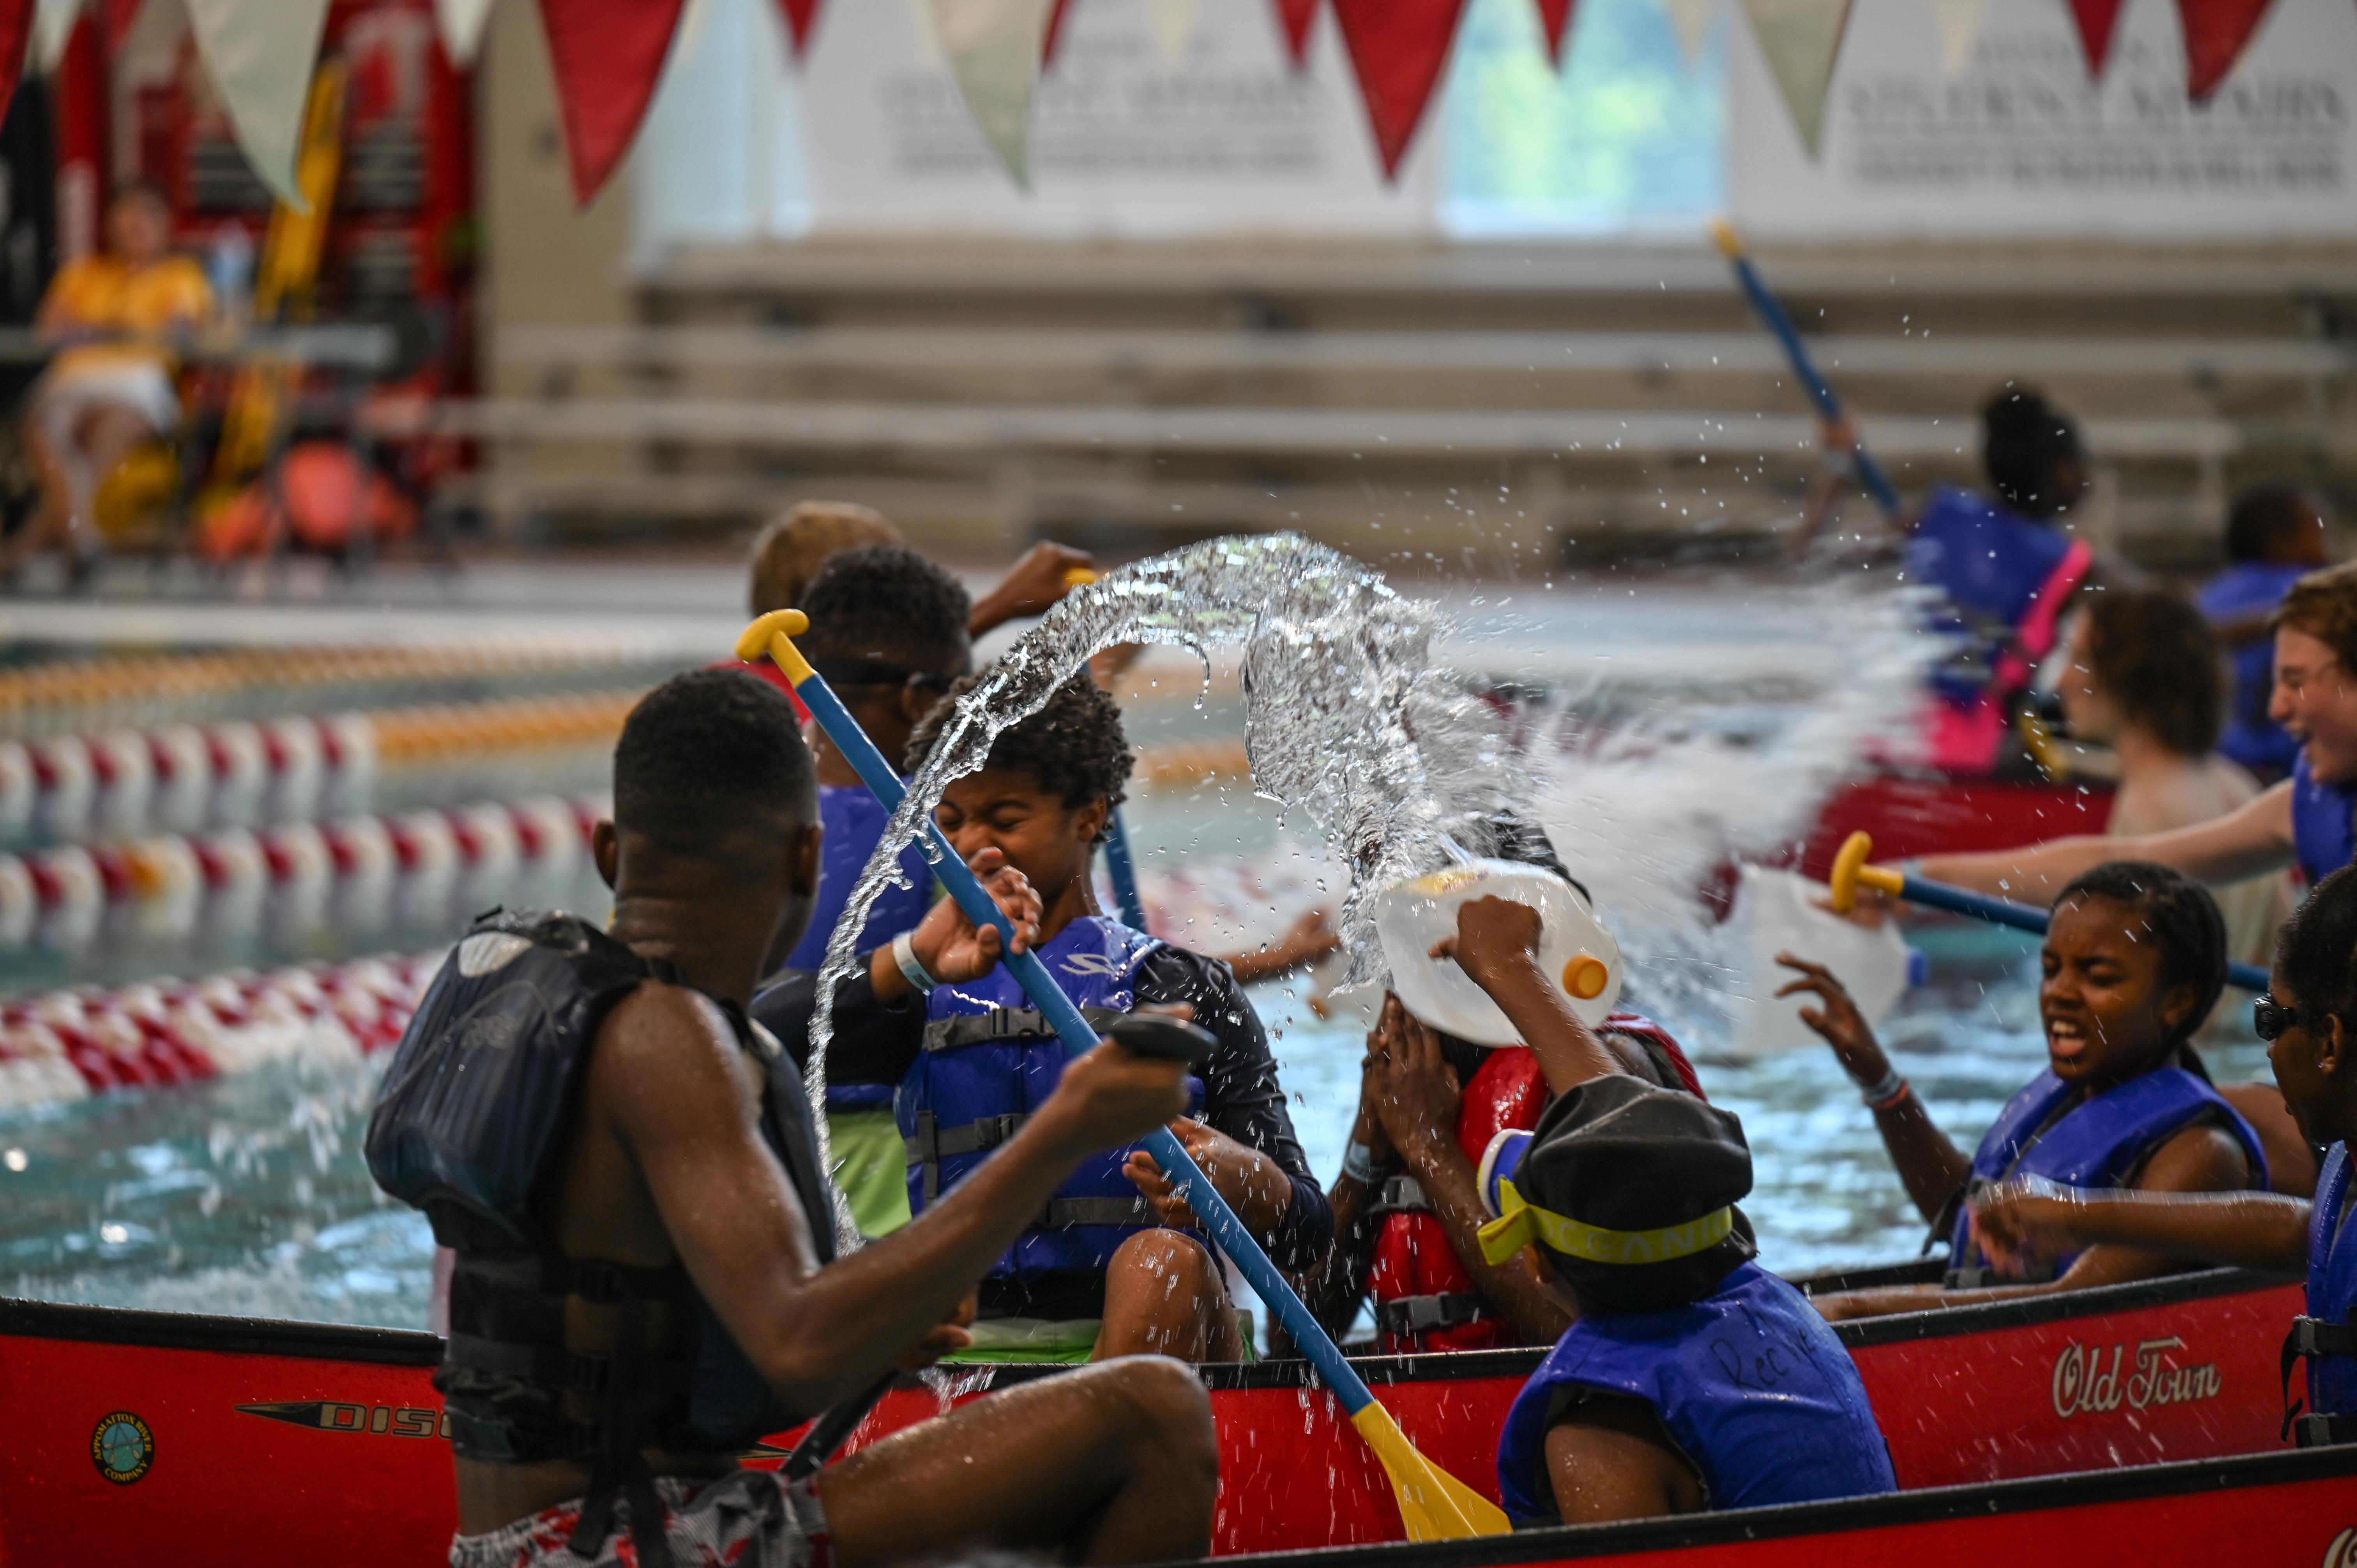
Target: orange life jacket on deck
1425	1297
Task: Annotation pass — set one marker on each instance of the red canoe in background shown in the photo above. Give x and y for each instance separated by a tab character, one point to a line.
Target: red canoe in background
164	1438
1909	816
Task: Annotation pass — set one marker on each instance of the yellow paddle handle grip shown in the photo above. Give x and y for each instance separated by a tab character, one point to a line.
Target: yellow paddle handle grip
1851	872
1723	233
1074	576
774	635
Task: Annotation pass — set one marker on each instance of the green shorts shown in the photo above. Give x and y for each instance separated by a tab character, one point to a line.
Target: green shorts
871	1166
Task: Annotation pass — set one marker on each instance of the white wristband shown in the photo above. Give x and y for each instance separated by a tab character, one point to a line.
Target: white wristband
904	953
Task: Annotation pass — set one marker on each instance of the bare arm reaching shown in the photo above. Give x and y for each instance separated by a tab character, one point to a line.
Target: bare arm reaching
2250	842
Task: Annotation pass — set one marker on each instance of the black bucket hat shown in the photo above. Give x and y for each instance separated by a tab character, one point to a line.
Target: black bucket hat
1628	1190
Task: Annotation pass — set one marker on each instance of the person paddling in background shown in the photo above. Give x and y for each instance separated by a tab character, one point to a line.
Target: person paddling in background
1690	1379
2309	1021
2145	679
2005	569
2304	820
646	1280
1111	1266
2135	957
2274	536
1407	1207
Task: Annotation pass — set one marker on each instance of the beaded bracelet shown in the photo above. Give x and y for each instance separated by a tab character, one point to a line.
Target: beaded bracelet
1887	1086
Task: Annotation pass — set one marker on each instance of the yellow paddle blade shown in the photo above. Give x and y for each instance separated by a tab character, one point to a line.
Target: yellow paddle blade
1433	1504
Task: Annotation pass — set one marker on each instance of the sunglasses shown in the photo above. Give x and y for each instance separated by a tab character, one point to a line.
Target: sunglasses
2270	1018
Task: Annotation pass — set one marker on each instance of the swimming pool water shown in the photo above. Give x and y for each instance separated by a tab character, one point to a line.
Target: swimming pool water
249	1195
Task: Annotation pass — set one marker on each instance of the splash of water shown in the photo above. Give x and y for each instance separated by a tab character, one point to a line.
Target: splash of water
1648	807
1377	748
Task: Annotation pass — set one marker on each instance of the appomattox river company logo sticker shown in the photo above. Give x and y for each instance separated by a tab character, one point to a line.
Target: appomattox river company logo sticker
2094	1379
2343	1552
122	1447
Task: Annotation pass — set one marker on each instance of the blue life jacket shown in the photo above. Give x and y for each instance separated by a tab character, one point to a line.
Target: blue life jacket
2248	588
473	1107
1750	1383
2001	579
2326	1336
2097	1143
2323	838
990	1060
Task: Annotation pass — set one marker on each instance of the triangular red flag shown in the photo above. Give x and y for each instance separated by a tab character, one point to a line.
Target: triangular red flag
2095	19
118	15
608	55
1397	48
1054	35
801	16
2216	33
16	33
1555	15
1297	16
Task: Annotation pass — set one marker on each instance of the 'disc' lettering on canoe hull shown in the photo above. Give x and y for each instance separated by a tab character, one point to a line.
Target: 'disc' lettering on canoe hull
2095	1379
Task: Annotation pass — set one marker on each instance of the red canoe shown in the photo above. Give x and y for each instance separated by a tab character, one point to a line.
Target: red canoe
145	1436
1911	817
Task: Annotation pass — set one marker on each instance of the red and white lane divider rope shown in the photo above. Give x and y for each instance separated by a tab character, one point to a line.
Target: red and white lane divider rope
68	1045
354	874
184	778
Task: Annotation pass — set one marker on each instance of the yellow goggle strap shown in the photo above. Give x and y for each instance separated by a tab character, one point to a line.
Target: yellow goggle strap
1521	1224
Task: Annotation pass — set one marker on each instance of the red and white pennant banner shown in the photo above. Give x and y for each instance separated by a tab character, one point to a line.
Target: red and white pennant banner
610	55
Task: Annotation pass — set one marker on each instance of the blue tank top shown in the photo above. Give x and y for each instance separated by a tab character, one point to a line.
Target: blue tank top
1749	1383
990	1060
2096	1144
1994	571
2332	1285
2251	738
854	820
2321	836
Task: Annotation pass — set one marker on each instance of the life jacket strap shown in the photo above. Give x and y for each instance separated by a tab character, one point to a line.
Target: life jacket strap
1421	1314
1399	1195
1064	1213
961	1029
2313	1336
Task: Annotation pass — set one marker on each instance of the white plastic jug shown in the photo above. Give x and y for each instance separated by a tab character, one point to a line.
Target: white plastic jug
1774	913
1574	949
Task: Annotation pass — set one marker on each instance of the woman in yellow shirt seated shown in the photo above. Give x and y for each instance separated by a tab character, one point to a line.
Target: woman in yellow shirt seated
119	316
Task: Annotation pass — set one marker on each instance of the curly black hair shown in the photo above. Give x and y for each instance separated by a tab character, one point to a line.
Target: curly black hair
704	752
2317	950
2182	919
2263	514
2155	656
886	605
2024	440
1073	748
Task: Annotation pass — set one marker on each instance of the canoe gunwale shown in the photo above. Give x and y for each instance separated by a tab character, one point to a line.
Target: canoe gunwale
1931	1504
411	1347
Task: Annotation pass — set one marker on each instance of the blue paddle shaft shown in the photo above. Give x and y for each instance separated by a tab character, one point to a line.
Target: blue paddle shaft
1123	872
1870	472
2028	918
1190	1183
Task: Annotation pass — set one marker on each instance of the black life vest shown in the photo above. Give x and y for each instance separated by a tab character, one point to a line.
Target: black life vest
473	1107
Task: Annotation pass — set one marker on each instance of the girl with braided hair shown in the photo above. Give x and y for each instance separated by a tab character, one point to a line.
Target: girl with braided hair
2134	959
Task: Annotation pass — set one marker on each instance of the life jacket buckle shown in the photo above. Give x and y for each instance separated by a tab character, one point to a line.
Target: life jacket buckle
2322	1337
588	1374
1422	1314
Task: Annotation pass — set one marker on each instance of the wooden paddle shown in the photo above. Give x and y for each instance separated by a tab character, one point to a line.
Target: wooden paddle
1434	1505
